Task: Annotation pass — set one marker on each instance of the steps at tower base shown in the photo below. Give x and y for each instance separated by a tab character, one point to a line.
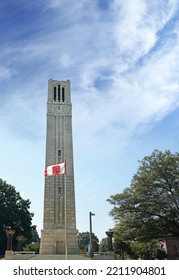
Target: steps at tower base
74	257
60	257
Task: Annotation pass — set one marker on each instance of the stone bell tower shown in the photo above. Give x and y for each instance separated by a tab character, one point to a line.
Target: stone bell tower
59	221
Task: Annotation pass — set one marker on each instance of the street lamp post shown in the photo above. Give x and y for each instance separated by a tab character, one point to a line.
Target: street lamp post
90	249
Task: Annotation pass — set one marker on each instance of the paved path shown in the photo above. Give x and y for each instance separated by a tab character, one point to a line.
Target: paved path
57	257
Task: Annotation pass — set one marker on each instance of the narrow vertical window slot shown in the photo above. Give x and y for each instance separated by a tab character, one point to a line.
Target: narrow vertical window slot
63	94
58	93
59	153
59	191
54	93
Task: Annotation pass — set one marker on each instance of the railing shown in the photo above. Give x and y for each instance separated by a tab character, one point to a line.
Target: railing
23	252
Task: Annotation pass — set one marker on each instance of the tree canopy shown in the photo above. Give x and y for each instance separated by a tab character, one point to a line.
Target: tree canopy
14	213
84	240
149	208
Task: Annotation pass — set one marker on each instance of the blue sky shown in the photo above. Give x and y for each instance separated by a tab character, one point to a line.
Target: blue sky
122	58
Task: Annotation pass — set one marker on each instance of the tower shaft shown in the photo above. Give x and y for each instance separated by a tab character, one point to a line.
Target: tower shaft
59	210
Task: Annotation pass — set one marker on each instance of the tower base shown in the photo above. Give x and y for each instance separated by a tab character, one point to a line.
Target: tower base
53	241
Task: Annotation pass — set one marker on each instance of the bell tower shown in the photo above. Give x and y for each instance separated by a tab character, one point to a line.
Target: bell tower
59	221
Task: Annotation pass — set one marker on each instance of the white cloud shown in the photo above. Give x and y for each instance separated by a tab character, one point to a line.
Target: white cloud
5	73
130	25
133	102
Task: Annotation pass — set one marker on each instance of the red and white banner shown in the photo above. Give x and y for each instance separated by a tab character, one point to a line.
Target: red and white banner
57	169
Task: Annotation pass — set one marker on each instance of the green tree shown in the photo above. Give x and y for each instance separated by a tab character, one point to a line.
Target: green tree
103	245
34	246
147	250
34	235
122	249
149	208
84	240
14	213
